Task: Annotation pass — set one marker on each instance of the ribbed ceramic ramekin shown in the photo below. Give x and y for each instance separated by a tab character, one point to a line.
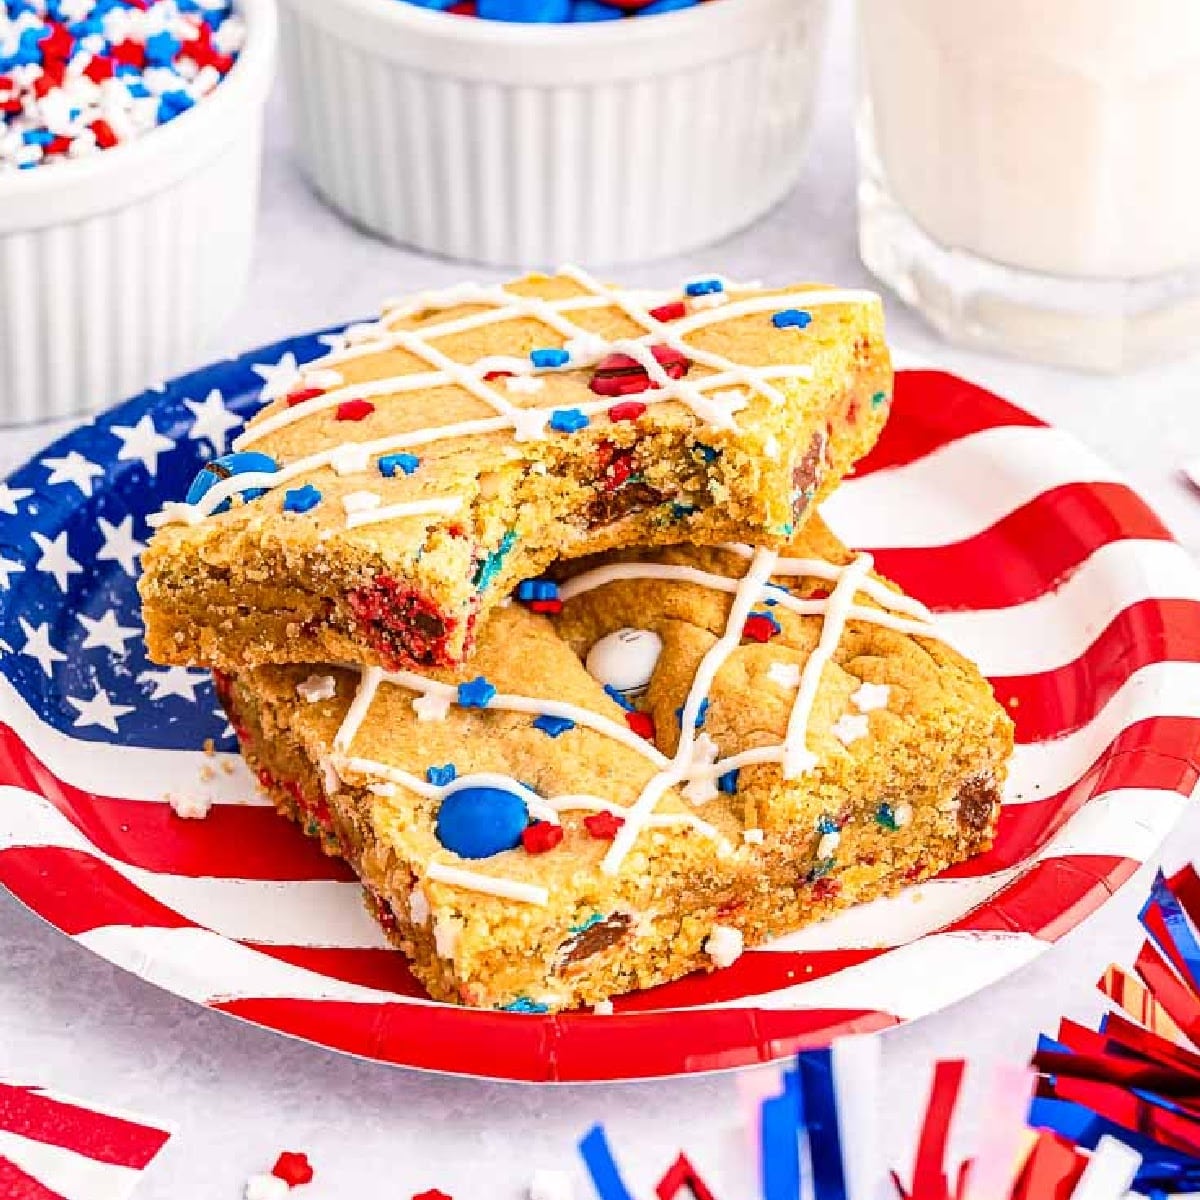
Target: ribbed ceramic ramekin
115	269
531	144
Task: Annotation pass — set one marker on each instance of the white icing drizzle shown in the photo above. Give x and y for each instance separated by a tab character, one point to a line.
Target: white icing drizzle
489	885
438	506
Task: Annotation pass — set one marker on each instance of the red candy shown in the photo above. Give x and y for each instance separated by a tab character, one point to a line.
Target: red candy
354	410
758	628
293	1169
294	398
642	724
541	837
620	375
545	606
603	825
616	465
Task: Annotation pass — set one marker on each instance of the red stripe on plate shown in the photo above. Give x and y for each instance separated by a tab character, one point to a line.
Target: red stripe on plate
15	1184
31	1114
1053	703
76	892
385	970
932	408
1025	554
232	842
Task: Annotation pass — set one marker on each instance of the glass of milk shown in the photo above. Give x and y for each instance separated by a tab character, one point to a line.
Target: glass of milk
1030	172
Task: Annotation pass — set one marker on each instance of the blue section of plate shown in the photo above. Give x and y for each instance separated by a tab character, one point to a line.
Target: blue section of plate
72	522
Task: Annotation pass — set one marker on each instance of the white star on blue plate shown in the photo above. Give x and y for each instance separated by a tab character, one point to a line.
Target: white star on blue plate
10	497
278	378
106	632
120	546
173	681
213	420
99	710
8	568
56	558
141	443
37	645
73	468
334	342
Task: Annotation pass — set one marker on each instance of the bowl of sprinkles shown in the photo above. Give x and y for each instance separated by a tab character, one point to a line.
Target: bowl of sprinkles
530	132
130	135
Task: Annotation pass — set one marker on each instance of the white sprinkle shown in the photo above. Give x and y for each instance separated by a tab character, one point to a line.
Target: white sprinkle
724	945
586	350
190	808
364	331
827	846
446	932
265	1187
849	728
551	1185
603	1008
704	754
432	706
529	424
524	385
323	378
787	675
801	762
709	300
902	815
771	447
418	907
360	502
352	458
871	696
316	688
752	837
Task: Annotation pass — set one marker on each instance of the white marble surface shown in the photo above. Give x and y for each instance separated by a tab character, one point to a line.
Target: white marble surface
239	1094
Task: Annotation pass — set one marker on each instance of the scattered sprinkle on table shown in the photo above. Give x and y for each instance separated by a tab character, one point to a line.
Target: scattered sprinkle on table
555	12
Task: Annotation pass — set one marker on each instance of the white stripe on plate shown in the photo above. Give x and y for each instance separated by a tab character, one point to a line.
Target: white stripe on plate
201	966
961	488
71	1175
1058	627
290	913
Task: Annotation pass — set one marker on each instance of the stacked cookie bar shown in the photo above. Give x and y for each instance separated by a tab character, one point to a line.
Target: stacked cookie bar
520	602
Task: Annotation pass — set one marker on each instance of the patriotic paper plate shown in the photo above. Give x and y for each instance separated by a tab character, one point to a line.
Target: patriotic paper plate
1044	566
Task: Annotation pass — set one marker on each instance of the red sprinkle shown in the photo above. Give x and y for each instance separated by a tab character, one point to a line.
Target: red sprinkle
616	465
99	69
826	888
265	778
432	1194
132	54
603	825
758	628
545	606
541	837
669	312
58	43
642	723
627	410
492	376
354	410
105	138
294	398
60	145
818	594
293	1169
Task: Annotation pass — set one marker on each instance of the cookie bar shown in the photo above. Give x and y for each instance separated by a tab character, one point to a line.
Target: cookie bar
705	748
403	486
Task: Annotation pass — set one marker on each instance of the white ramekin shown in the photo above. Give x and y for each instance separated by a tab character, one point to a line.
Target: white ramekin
533	144
115	269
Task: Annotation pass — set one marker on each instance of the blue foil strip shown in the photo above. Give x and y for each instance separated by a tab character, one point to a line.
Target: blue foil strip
821	1119
1179	928
602	1167
780	1142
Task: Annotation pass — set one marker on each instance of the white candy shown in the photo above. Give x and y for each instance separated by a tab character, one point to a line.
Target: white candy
625	660
724	945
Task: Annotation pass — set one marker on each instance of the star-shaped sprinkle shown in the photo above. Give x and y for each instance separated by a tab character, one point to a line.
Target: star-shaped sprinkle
317	688
398	464
56	558
8	568
350	459
73	468
10	497
849	728
701	714
441	776
173	681
703	788
432	706
106	632
99	710
477	693
278	378
569	420
529	424
603	825
361	502
141	443
761	627
586	349
301	499
524	385
798	761
354	410
38	646
190	808
549	358
871	696
120	546
553	726
212	421
787	675
323	379
792	318
335	343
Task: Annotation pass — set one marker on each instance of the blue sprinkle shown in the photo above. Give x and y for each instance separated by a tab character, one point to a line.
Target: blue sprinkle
476	694
593	10
613	694
530	11
827	825
701	714
440	776
878	399
161	49
703	287
706	453
548	359
728	783
393	464
885	815
569	420
553	726
171	104
301	499
679	511
37	137
524	1005
489	568
792	318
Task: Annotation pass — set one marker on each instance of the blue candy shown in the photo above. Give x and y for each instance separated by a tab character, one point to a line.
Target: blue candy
477	822
244	462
